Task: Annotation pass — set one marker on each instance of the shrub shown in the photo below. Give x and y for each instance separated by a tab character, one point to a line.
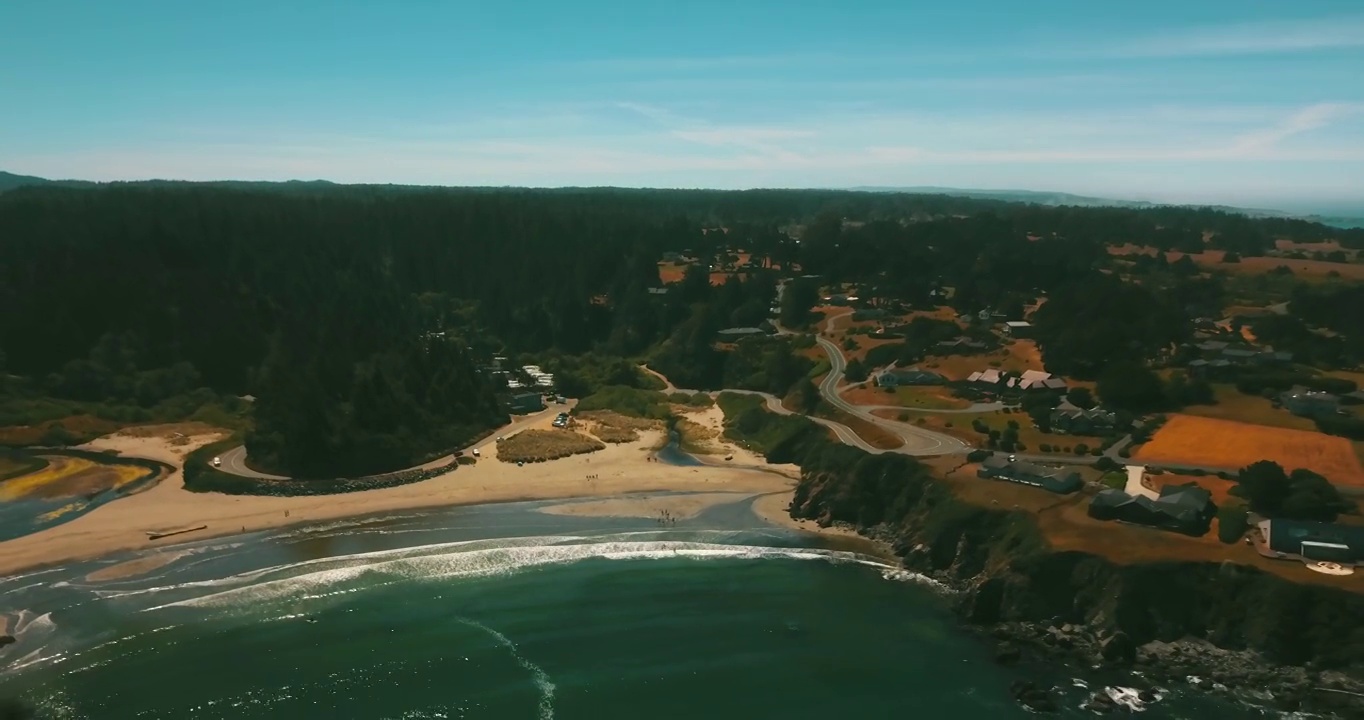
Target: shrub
1107	464
902	417
1081	449
1125	453
1232	522
1044	447
978	455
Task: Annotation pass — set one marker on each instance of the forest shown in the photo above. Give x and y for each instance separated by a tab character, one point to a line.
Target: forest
356	316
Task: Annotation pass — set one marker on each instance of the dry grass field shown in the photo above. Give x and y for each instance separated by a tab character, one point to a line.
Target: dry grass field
920	398
67	476
875	435
1239	407
1016	357
960	425
1193	440
1212	260
542	445
612	427
1065	524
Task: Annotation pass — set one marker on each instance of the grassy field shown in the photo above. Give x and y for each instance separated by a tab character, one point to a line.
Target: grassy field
960	425
875	435
1016	357
1065	524
613	427
920	398
542	445
1193	440
1237	406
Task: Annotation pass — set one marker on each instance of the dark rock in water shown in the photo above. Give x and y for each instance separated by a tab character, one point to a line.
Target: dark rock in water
7	640
1032	697
1008	654
1147	695
1100	702
1120	649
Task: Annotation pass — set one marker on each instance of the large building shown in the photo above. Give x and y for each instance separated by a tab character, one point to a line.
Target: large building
1182	508
526	402
1309	403
1314	540
1057	480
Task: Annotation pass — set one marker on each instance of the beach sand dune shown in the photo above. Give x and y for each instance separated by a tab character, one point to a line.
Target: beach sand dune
616	470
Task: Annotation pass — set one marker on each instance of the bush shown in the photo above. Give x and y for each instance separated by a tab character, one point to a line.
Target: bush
1081	449
978	455
1232	522
1107	464
1125	453
902	417
1044	447
626	401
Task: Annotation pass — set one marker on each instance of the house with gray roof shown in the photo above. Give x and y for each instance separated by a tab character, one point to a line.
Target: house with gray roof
1313	540
1068	419
1309	403
1057	480
1186	508
896	377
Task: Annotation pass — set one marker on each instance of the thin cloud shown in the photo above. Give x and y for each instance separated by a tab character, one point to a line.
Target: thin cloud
1285	36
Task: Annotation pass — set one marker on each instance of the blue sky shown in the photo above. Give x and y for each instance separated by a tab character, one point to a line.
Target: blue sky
1208	101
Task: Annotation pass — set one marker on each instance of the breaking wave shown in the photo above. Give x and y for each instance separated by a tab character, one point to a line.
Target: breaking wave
327	577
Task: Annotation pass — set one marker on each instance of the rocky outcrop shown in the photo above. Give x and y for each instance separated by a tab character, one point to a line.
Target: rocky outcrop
6	640
1231	627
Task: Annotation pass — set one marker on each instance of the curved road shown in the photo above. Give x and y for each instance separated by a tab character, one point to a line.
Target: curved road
917	440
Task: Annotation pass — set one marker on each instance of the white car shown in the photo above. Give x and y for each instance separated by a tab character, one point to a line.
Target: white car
217	462
476	452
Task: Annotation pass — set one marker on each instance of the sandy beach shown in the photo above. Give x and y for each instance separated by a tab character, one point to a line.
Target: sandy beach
617	470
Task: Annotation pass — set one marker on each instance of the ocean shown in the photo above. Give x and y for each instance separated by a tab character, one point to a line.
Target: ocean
505	612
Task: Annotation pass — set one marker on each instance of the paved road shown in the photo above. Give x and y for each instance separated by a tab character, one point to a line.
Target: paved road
974	408
234	460
917	440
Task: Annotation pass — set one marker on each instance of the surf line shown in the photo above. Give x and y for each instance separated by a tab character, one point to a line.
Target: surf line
542	681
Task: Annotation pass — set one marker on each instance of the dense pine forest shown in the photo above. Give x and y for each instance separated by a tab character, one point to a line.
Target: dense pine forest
356	316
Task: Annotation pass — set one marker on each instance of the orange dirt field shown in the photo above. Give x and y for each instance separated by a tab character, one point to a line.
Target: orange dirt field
1212	260
1191	440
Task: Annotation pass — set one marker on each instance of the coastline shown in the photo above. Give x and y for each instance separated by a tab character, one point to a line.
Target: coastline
618	470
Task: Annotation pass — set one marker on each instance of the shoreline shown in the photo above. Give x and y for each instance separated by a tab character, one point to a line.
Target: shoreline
618	470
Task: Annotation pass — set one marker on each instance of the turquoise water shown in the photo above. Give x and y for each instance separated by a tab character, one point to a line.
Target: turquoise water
503	612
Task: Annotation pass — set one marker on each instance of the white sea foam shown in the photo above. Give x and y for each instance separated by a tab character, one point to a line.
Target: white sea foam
542	681
475	559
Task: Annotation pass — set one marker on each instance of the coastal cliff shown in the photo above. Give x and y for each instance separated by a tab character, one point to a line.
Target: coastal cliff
1234	627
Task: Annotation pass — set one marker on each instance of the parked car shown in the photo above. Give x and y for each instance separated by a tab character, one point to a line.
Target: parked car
217	462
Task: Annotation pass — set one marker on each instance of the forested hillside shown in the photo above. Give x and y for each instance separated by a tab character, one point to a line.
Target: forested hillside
356	315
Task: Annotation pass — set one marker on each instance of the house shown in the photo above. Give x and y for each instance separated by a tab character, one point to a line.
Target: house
1068	419
1057	480
963	345
1037	380
526	402
986	377
738	333
1018	328
1314	540
896	377
1211	348
1182	508
1309	403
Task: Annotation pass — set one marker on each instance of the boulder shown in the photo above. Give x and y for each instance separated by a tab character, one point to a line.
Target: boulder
7	640
1008	654
1033	697
1119	649
1100	702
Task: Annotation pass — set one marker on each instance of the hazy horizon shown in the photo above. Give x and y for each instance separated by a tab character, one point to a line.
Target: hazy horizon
1202	103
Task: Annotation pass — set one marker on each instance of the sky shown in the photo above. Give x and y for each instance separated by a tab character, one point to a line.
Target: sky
1209	101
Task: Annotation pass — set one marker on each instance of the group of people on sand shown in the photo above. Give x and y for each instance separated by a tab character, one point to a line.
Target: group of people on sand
666	518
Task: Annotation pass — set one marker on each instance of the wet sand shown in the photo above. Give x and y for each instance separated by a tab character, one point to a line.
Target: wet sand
680	507
617	470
